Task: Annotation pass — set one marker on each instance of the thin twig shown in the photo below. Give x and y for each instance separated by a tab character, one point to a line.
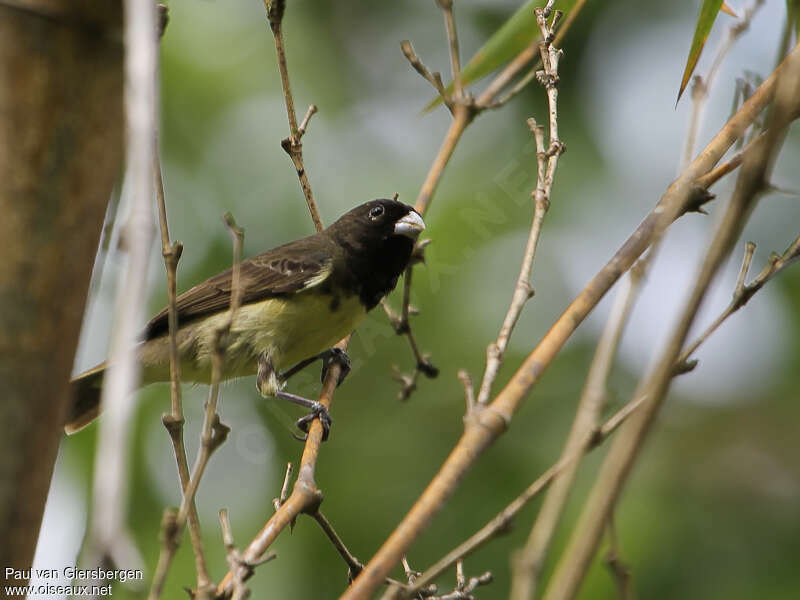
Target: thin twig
547	162
469	390
617	465
452	38
287	478
435	79
402	326
173	422
233	557
741	295
214	432
353	564
620	572
292	145
464	586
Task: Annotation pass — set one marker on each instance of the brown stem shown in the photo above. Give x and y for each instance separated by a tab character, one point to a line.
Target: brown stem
616	467
174	421
488	424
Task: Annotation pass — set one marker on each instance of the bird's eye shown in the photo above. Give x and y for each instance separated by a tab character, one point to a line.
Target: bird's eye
376	212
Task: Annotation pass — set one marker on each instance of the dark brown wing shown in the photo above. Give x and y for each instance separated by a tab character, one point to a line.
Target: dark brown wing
283	270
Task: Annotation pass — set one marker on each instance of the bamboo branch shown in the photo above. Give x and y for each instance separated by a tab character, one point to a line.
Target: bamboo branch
617	465
592	437
528	562
488	424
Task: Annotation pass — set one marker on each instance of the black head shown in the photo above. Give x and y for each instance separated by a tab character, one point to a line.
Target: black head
378	238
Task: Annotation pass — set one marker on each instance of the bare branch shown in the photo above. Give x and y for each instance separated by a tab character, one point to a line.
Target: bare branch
214	432
617	465
488	424
547	161
292	145
452	38
435	79
741	296
173	422
619	570
287	478
502	522
353	564
528	562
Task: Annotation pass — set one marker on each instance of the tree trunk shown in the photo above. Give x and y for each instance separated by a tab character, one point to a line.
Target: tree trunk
61	131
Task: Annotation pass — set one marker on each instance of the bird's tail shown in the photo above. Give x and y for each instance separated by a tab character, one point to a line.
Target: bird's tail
84	406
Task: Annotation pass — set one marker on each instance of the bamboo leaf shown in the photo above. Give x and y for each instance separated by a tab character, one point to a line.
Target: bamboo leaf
793	13
705	20
728	10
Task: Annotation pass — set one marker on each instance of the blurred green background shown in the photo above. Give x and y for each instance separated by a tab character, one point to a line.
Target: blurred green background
711	509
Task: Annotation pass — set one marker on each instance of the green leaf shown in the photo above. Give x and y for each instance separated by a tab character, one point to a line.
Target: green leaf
514	35
705	20
793	12
728	10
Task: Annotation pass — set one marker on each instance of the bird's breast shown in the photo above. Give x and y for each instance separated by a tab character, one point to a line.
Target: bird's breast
298	327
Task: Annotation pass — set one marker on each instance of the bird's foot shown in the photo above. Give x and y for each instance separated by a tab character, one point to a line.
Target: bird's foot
317	410
303	423
338	357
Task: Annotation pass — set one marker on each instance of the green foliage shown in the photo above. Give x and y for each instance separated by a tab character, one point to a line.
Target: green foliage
705	21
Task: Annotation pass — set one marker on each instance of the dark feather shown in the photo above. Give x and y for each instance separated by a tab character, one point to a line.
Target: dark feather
283	270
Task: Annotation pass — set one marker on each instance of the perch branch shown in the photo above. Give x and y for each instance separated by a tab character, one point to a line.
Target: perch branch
306	496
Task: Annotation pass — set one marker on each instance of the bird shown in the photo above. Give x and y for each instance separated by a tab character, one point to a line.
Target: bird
297	301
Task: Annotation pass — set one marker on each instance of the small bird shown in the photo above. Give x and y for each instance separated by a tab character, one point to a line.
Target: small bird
297	301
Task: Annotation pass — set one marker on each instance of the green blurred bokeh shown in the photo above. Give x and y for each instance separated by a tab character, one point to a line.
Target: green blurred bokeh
711	510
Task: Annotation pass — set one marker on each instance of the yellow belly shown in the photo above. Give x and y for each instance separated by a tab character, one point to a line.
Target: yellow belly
288	330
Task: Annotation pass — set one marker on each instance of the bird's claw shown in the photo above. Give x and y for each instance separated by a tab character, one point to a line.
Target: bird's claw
335	356
317	410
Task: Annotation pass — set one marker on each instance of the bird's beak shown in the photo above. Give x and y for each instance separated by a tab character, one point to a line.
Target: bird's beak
411	225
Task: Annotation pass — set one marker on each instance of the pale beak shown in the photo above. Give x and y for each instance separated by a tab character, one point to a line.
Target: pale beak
411	225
